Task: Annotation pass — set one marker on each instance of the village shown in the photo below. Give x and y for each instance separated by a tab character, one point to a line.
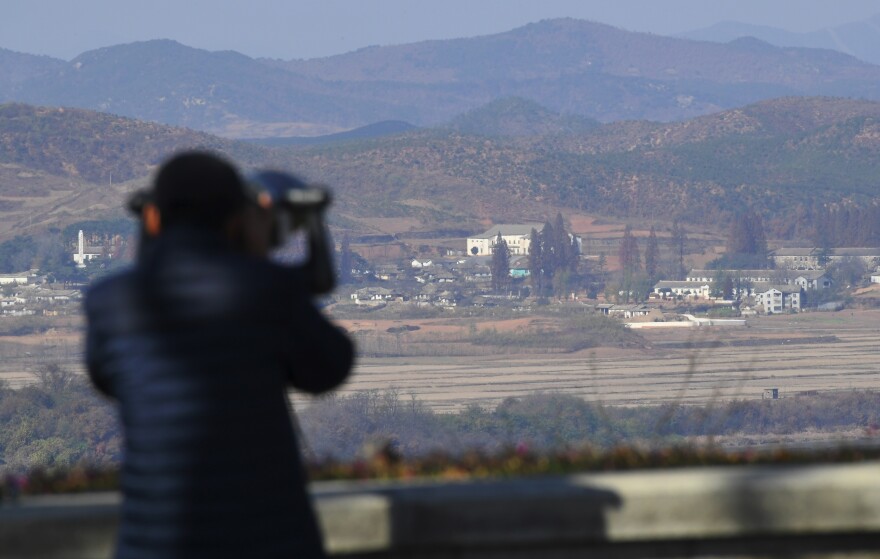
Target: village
800	279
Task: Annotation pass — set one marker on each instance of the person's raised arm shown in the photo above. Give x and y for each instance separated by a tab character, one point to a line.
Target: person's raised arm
326	353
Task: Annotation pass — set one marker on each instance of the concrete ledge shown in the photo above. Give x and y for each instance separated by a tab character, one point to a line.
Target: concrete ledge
59	527
687	512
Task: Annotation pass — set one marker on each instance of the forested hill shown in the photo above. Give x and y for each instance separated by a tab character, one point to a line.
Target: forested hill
784	157
515	116
95	146
569	66
776	156
17	68
60	166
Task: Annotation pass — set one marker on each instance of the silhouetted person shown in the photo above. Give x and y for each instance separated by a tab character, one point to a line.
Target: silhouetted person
199	343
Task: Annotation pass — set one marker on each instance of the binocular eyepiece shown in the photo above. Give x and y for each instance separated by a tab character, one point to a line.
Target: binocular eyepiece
293	203
288	192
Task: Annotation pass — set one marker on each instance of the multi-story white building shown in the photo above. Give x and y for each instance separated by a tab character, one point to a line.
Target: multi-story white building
779	299
517	237
750	280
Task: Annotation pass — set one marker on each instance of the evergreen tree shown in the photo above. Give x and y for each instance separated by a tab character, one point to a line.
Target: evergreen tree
536	271
630	259
679	241
847	225
561	245
500	264
722	285
746	242
727	288
652	256
746	235
549	260
345	261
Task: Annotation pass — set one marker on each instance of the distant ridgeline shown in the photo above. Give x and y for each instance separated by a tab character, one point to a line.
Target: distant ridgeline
567	65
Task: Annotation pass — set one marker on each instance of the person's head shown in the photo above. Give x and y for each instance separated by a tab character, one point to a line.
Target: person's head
202	190
197	189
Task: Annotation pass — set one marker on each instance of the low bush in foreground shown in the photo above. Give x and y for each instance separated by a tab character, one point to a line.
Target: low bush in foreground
57	435
519	461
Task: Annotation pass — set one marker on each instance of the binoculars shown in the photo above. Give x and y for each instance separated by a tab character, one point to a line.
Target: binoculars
297	206
293	206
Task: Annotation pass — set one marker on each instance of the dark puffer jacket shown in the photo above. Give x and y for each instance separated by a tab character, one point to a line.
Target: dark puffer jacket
199	345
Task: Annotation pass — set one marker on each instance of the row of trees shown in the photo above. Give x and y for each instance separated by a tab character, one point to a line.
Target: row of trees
636	279
847	226
746	243
344	426
630	257
59	422
635	282
554	255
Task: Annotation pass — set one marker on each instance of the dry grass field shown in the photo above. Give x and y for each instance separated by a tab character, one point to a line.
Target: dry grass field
794	353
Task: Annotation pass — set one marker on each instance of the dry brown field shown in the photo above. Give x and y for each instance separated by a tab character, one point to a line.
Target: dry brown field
794	353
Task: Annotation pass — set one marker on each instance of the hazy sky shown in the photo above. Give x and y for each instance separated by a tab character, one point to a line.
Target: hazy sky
311	28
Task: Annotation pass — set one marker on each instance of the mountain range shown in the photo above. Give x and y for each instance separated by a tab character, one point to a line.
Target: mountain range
859	38
782	156
571	67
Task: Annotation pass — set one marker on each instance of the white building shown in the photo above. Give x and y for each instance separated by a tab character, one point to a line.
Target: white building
753	276
808	258
685	289
517	237
796	258
779	299
745	282
812	279
14	279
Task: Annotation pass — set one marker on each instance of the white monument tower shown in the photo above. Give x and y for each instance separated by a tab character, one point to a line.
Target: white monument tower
83	253
80	256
